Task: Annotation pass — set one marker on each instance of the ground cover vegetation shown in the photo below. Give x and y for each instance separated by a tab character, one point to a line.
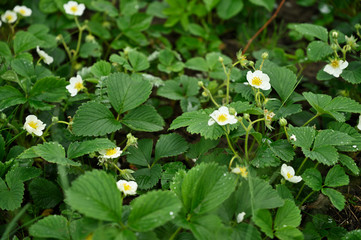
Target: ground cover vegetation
180	119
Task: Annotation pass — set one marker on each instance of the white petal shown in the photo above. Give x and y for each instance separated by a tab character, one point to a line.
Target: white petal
265	85
295	179
223	110
337	72
284	170
343	64
329	69
211	122
249	77
240	217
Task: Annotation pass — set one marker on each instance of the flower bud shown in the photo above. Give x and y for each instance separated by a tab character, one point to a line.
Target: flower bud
54	119
282	122
89	38
220	92
232	111
265	55
220	59
204	94
357	26
132	141
335	34
2	116
334	46
200	84
246	116
251	63
106	24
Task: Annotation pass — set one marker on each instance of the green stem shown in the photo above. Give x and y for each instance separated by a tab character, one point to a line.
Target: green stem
231	162
230	144
6	234
309	195
310	120
300	167
175	233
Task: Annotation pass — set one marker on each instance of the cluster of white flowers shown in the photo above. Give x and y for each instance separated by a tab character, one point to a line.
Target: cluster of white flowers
76	85
33	125
43	55
128	188
11	16
289	174
222	117
74	8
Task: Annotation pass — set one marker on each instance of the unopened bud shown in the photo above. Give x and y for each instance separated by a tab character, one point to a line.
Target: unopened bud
335	34
220	59
89	38
54	119
232	111
106	24
220	92
282	122
334	46
246	116
251	63
132	141
204	94
347	48
92	155
265	55
200	84
357	26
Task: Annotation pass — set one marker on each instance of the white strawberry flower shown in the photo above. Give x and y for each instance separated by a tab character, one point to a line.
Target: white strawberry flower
76	85
9	17
258	79
240	217
335	67
46	58
222	117
359	123
289	174
128	188
23	10
240	170
110	153
33	125
293	137
73	8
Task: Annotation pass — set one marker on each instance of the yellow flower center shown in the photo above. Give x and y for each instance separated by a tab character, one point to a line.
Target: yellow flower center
33	124
110	152
335	63
9	18
244	172
256	81
78	86
127	187
89	237
222	118
289	175
74	9
22	11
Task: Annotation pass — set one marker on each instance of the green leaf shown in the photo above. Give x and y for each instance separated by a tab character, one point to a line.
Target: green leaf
352	73
283	80
148	177
78	149
337	199
205	187
49	89
138	61
2	148
141	155
265	158
353	235
180	88
287	215
289	233
95	194
283	149
351	131
94	119
101	68
23	67
349	163
336	177
24	41
5	50
201	147
170	145
245	231
90	49
312	30
313	179
327	154
48	6
198	64
197	122
23	174
227	9
50	151
331	137
207	227
263	219
210	4
54	226
144	118
106	7
268	4
263	196
152	210
170	169
126	93
96	28
318	50
12	193
304	136
10	96
45	193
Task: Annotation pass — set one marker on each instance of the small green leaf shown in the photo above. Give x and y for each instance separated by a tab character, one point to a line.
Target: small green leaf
349	163
152	210
245	231
12	193
148	177
331	137
197	63
337	199
78	149
265	158
304	136
313	179
54	226
336	177
312	30
352	73
101	68
23	174
170	169
23	67
327	154
10	96
351	131
210	4
227	9
263	219
268	4
353	235
45	193
24	41
126	93
49	89
207	227
144	118
95	194
94	119
318	50
289	233
141	155
2	148
5	50
170	145
138	61
283	149
287	215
